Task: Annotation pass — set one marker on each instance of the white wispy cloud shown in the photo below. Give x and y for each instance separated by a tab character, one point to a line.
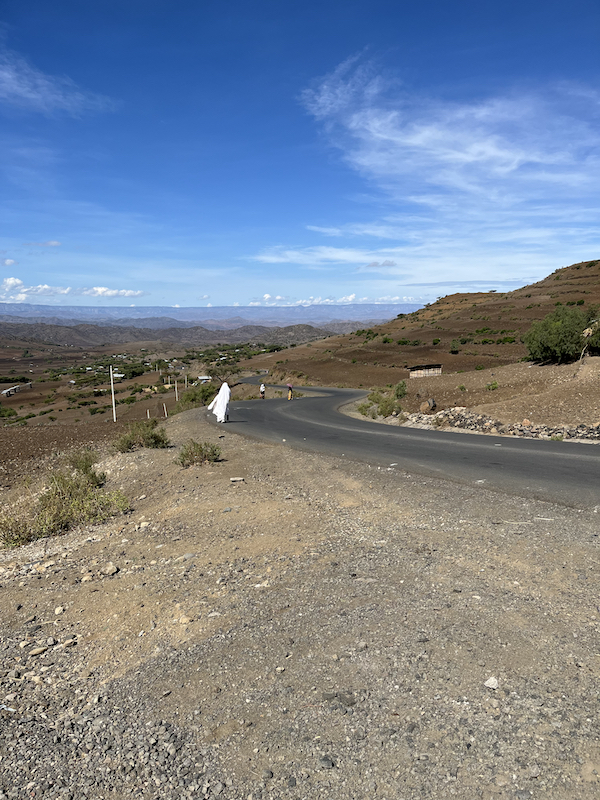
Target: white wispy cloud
8	262
51	243
508	183
14	290
23	85
326	231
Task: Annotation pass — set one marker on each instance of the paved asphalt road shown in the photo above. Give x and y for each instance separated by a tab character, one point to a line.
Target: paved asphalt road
562	472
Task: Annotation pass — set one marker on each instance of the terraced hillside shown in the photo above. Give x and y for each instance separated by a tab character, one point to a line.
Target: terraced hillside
461	331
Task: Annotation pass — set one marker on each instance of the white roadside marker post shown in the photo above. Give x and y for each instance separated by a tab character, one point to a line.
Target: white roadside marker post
112	392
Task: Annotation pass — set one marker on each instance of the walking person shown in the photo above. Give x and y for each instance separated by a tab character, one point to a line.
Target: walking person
290	391
262	390
220	405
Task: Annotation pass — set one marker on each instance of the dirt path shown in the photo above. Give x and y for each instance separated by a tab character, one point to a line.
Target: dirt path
318	629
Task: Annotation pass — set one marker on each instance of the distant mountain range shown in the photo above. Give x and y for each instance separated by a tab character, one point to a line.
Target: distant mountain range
86	335
333	318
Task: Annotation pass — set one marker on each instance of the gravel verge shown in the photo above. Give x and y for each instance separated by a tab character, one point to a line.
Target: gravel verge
319	629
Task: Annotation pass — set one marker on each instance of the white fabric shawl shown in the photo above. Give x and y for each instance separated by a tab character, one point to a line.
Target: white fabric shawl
220	405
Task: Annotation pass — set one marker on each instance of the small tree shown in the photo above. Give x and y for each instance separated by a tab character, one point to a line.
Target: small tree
559	336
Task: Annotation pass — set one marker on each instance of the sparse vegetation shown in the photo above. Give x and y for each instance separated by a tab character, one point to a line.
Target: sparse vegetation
83	460
144	433
198	453
492	386
195	397
70	499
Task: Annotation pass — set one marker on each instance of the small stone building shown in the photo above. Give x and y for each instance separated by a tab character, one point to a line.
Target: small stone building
425	370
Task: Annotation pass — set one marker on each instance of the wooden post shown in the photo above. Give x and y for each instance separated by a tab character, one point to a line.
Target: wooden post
112	391
148	413
176	392
165	409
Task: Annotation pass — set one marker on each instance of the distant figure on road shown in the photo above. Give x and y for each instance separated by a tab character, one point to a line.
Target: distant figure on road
290	391
263	389
220	405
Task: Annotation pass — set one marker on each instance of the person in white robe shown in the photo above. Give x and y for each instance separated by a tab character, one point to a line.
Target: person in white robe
220	405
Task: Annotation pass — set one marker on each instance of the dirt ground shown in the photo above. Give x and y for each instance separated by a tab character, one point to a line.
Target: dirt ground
318	629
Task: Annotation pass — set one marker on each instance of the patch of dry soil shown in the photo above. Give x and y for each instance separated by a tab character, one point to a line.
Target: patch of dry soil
319	629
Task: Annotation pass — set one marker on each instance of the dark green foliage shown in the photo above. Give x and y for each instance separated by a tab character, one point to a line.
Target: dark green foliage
558	338
144	433
195	397
7	412
400	390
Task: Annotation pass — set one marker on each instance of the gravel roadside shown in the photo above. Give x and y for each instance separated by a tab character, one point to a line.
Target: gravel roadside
319	629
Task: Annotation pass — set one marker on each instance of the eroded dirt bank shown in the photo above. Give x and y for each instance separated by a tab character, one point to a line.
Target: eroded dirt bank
320	629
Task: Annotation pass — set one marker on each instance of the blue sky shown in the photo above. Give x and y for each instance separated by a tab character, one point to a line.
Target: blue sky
186	152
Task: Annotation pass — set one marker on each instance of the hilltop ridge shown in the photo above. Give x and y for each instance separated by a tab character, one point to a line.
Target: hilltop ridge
483	329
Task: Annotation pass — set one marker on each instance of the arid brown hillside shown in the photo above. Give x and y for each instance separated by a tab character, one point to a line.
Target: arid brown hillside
487	326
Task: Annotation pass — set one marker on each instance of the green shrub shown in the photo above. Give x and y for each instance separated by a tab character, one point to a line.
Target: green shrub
68	501
558	336
479	367
195	396
198	453
387	406
7	412
83	461
144	433
491	386
455	346
400	390
462	388
436	341
364	409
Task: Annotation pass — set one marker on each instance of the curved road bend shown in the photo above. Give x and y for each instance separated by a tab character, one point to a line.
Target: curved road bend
562	472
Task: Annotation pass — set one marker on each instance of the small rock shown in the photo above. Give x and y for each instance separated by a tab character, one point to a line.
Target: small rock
236	480
109	569
185	620
361	646
327	762
226	510
59	610
37	651
491	683
266	774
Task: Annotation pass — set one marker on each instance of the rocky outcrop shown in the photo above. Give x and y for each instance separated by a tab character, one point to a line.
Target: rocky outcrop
460	417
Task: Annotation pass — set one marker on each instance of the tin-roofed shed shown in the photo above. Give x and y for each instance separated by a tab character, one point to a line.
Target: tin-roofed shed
425	370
